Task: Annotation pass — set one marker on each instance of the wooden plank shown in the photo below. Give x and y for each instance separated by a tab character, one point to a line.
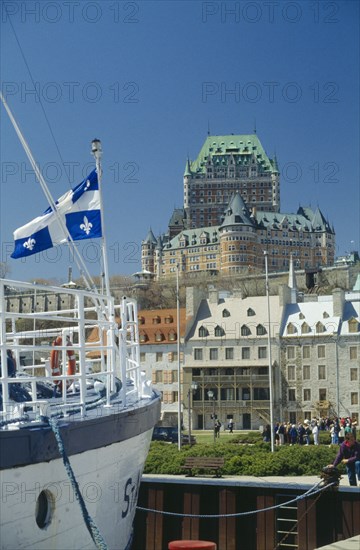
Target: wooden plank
265	539
154	524
227	526
306	514
190	526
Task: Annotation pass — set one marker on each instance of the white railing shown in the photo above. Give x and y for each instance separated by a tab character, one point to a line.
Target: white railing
88	329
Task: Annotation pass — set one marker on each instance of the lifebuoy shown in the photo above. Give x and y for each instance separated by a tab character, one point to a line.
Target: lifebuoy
55	362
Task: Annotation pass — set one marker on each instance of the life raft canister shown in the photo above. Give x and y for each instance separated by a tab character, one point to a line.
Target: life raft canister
55	361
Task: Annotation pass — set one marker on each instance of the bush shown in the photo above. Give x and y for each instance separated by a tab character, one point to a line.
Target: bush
254	459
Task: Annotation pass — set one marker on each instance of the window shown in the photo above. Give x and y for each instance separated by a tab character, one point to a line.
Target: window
290	352
291	372
159	356
353	325
219	331
143	337
250	312
159	376
245	353
261	394
229	353
305	329
159	337
319	327
172	336
203	332
321	372
321	352
142	357
291	394
169	319
260	330
307	394
353	374
306	372
156	320
245	331
213	354
306	352
353	352
354	398
262	352
291	329
225	313
174	376
198	354
322	394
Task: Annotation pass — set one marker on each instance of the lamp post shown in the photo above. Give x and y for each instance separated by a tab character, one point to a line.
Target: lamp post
269	355
178	354
191	390
211	396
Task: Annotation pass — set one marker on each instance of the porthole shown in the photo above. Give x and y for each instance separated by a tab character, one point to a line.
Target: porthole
43	510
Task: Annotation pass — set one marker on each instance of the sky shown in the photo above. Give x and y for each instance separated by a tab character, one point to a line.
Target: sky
150	79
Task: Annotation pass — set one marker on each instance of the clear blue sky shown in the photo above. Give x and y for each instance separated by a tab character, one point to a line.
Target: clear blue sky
147	78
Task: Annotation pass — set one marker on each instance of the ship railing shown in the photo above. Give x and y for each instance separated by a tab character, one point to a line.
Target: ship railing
102	350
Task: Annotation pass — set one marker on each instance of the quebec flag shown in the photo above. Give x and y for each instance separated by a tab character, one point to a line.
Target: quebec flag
79	210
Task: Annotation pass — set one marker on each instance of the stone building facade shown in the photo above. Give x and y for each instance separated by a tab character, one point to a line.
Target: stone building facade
232	214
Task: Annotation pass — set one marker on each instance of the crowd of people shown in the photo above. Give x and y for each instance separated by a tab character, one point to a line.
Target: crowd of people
288	433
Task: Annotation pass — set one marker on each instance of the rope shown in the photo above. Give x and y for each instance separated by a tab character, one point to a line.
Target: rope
310	492
89	522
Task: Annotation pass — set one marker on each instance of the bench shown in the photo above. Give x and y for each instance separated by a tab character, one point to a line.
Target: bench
203	463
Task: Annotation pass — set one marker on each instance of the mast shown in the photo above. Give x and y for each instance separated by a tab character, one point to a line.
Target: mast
96	150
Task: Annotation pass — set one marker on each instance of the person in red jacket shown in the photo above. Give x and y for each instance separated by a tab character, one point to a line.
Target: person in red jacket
349	454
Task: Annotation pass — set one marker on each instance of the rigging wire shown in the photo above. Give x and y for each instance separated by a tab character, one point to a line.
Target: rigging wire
37	93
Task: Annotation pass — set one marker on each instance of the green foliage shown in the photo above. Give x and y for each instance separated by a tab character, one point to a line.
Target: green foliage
251	459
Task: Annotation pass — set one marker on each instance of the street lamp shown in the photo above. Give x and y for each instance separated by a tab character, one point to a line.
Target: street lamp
211	396
191	390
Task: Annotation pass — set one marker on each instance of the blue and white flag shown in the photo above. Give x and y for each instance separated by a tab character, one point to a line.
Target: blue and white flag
79	210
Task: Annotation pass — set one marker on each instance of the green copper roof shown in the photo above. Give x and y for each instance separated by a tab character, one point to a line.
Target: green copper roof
241	146
237	212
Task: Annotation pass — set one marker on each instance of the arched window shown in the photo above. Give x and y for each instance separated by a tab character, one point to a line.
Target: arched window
172	335
245	331
143	336
320	327
353	325
261	330
169	319
156	320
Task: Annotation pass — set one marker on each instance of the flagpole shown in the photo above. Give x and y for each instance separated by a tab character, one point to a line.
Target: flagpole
269	354
96	150
77	256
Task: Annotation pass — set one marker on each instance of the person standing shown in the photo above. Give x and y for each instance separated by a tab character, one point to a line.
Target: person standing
231	425
315	432
349	454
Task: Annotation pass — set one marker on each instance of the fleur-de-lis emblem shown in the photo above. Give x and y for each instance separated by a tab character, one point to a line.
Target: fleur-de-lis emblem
86	226
30	243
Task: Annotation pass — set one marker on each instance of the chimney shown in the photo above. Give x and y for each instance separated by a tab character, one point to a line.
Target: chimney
284	295
213	295
338	302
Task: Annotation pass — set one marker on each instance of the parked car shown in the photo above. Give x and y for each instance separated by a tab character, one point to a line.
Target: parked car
170	434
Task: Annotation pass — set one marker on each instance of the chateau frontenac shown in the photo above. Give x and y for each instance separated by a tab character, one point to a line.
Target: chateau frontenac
231	216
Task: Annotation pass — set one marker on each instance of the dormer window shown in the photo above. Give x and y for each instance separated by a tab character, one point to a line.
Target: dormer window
305	329
169	319
156	320
143	337
261	330
141	320
219	331
245	331
301	316
159	337
319	327
291	329
203	332
250	312
353	325
225	313
325	315
172	336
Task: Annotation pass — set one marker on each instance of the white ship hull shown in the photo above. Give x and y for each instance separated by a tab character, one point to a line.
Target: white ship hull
108	478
